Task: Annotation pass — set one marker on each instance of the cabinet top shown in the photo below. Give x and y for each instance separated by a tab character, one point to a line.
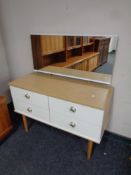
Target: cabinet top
77	91
78	74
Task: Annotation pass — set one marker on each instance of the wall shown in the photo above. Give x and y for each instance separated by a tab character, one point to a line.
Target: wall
20	18
4	71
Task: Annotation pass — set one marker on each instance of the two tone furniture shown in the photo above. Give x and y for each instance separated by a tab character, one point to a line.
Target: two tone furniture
69	101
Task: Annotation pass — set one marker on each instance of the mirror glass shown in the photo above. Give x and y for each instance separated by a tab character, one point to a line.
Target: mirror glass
85	53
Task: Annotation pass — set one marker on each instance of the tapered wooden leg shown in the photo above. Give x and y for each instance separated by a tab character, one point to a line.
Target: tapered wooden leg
89	149
25	124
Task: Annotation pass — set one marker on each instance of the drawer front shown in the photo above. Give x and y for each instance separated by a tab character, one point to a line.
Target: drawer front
80	113
76	127
32	111
29	98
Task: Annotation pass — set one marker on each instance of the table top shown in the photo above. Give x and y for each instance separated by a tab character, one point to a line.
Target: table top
77	91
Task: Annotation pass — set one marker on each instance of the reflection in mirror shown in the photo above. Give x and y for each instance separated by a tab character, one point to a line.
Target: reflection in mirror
86	53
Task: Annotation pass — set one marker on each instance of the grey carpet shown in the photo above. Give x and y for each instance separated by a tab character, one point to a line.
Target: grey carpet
49	151
107	68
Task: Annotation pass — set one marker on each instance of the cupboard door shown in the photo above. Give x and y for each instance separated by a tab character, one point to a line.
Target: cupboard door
5	122
93	62
81	66
52	44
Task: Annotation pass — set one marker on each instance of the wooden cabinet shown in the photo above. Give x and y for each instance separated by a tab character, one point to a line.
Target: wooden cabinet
5	122
86	62
80	66
93	63
60	50
102	46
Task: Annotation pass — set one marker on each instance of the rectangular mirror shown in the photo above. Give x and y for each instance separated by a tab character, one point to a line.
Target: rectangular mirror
85	53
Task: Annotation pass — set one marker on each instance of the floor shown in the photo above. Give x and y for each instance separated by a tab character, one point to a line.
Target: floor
49	151
107	68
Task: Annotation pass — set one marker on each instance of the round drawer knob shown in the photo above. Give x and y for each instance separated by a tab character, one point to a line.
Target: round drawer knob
27	96
72	109
72	124
29	109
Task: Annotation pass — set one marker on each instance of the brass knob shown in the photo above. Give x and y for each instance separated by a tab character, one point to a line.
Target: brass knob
72	109
72	124
27	96
29	109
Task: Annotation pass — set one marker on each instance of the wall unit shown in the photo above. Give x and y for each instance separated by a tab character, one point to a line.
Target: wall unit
60	50
87	62
5	122
102	46
76	106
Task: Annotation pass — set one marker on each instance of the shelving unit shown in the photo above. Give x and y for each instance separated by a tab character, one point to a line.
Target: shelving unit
87	62
76	52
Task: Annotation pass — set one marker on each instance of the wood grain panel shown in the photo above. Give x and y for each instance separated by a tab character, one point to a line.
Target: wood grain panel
81	66
5	122
36	51
93	63
52	44
77	59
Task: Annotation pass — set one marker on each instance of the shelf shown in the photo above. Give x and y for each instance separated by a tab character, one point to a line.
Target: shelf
88	44
53	52
76	59
74	47
49	49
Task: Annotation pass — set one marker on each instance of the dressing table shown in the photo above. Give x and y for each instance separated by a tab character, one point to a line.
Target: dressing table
75	101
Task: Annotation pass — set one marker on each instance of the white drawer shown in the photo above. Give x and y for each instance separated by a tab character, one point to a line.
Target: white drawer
32	111
28	97
78	128
81	113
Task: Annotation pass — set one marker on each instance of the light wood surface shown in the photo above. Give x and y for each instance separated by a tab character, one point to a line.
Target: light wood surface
84	75
76	59
65	88
52	44
89	149
92	63
25	124
80	66
107	111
